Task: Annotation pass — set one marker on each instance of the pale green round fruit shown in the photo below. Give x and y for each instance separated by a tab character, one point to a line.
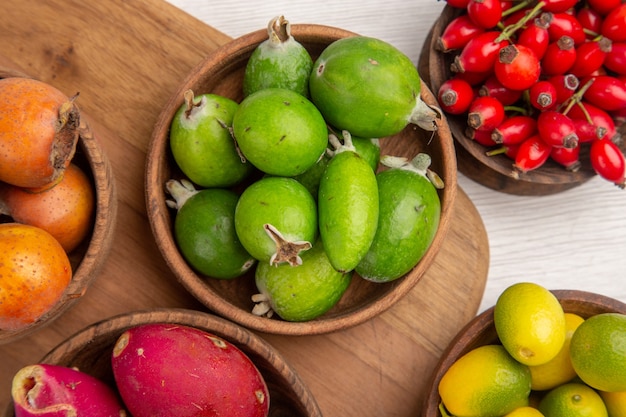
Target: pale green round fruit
201	143
280	131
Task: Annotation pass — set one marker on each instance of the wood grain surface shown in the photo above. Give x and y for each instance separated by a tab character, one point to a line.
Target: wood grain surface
125	59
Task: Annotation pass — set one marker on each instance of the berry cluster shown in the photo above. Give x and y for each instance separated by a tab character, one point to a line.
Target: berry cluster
540	80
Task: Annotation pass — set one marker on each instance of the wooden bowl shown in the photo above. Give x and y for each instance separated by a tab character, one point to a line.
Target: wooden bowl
90	351
481	331
89	257
222	73
495	172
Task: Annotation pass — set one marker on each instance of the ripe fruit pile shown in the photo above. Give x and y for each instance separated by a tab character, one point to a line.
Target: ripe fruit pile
540	80
46	201
289	174
156	367
545	362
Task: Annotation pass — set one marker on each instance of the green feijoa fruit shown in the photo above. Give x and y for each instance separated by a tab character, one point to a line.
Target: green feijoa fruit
204	230
300	293
280	131
276	219
369	149
347	206
279	61
409	217
311	177
370	88
201	143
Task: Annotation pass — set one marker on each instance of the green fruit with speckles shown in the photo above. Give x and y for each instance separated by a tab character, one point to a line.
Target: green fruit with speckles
280	131
303	292
368	149
409	216
348	207
311	177
204	230
370	88
279	61
201	143
276	220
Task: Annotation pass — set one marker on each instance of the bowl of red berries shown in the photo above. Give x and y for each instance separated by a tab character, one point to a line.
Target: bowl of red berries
534	92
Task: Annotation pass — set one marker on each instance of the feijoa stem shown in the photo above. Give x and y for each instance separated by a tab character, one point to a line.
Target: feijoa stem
286	251
420	164
181	191
425	116
279	30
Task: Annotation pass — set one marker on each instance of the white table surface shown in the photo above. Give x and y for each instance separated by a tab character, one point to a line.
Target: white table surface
571	240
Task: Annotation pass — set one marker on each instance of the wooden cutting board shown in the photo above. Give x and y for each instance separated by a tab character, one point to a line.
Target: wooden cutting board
125	59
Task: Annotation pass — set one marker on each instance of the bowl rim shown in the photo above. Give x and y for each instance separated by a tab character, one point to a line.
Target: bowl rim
481	328
159	217
104	222
245	340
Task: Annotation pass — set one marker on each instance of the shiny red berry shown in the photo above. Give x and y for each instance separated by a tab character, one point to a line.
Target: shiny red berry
614	24
564	24
457	33
494	88
485	13
608	161
590	57
557	129
459	4
606	92
590	20
558	6
482	137
566	85
485	113
542	95
603	7
517	67
598	117
535	36
455	96
588	132
480	53
514	130
532	154
616	58
559	57
569	158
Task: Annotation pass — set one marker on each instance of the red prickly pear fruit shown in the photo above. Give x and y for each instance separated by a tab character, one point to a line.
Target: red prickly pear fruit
55	391
186	371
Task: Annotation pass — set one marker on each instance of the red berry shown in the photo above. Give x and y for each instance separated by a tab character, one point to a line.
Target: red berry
459	4
485	113
567	157
590	57
564	24
616	58
458	33
455	96
597	116
535	36
480	53
494	88
532	154
589	19
614	24
566	85
517	67
485	13
543	95
557	129
559	57
558	6
482	137
603	7
514	130
474	78
607	92
588	132
608	161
